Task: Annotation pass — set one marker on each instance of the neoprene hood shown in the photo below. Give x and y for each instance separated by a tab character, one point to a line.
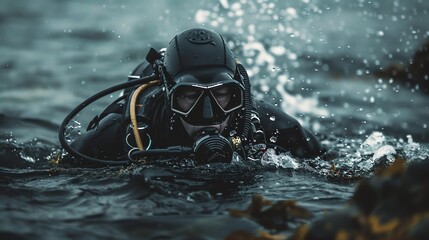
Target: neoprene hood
197	48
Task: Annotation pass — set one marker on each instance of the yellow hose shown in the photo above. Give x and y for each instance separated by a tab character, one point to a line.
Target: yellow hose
133	112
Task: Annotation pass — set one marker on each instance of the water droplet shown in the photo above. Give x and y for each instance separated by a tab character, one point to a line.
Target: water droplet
273	118
273	139
27	158
410	138
359	72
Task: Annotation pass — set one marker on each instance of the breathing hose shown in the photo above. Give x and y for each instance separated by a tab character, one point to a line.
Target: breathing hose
84	104
247	101
133	116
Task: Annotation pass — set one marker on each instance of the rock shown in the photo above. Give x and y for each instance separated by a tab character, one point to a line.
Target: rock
416	73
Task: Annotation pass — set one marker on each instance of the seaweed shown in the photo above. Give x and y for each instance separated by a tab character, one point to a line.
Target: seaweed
391	205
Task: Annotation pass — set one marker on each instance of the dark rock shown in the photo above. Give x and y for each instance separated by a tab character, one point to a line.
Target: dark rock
412	75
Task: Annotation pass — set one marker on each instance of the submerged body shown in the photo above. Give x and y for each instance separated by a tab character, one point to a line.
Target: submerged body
108	138
202	102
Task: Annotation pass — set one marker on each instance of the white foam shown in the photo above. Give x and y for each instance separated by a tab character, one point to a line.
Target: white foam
283	160
278	50
262	55
385	150
291	13
372	143
296	105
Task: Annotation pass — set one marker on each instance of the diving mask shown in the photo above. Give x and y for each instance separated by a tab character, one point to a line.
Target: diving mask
206	104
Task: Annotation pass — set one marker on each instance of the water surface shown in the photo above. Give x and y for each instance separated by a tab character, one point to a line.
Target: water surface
313	59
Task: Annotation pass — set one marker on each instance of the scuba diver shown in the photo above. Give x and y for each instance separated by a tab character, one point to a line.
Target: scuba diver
191	99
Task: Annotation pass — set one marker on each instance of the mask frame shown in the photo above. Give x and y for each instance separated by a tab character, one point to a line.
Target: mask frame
205	101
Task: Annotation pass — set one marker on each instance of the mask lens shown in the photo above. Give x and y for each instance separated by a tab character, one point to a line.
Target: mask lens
185	97
205	105
228	97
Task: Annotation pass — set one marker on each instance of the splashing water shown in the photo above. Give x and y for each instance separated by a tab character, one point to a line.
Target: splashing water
73	130
385	151
372	143
313	58
261	60
282	160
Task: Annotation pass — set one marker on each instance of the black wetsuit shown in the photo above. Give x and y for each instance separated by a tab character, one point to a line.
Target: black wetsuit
106	137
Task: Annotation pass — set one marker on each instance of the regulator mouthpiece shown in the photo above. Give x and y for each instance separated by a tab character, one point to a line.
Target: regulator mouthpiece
212	147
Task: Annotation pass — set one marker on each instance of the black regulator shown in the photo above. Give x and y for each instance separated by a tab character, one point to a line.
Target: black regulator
211	147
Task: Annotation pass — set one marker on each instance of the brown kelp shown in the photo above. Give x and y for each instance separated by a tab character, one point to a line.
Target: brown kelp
391	205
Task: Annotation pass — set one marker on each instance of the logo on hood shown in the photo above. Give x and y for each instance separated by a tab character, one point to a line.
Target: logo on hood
200	36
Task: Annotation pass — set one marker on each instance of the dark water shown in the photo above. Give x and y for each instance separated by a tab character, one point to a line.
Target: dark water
313	59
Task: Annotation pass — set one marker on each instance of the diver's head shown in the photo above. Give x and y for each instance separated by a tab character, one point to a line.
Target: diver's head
203	85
